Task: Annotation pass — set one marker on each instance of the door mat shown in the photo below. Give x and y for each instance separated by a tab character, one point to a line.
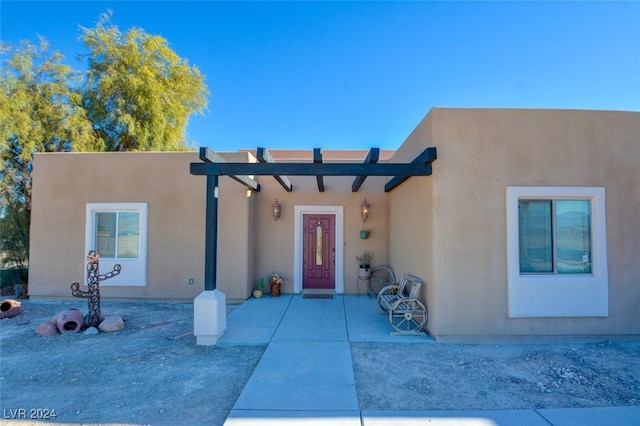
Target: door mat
317	296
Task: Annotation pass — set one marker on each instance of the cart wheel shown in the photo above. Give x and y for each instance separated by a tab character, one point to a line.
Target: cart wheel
408	315
381	276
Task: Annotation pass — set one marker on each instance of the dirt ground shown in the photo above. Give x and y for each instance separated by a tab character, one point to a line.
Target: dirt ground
153	373
515	376
133	376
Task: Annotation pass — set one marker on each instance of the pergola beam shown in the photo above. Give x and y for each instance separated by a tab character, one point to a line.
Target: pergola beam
210	157
425	159
372	158
265	156
311	169
317	159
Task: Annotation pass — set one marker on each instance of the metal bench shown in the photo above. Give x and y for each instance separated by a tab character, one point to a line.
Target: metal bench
407	314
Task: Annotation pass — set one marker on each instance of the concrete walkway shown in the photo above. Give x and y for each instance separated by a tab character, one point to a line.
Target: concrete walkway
306	373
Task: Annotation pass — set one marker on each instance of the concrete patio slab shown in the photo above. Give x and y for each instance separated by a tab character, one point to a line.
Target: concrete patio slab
302	376
453	418
367	323
313	320
598	416
255	321
307	418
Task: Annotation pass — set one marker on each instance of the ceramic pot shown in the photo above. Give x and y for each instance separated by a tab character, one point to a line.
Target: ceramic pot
364	272
9	308
257	293
70	320
364	235
47	329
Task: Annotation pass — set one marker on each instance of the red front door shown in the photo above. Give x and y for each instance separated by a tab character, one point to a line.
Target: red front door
319	251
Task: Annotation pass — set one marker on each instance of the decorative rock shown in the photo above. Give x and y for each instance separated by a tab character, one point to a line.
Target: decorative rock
91	330
9	308
47	329
69	320
111	323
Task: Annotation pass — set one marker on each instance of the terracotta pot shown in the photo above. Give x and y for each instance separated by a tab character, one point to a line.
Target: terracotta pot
47	329
70	320
9	308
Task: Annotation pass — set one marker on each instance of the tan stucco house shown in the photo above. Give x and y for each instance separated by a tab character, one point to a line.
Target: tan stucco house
529	224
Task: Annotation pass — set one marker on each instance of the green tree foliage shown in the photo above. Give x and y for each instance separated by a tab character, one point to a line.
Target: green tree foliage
138	93
39	112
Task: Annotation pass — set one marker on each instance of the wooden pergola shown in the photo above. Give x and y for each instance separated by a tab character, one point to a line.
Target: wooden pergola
213	166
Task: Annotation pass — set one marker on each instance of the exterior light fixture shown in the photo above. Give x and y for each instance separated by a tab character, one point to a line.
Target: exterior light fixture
364	210
277	210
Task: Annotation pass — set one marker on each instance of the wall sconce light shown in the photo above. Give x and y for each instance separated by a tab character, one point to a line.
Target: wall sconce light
364	210
277	210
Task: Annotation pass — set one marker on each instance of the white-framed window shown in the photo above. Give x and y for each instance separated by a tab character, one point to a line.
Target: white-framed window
118	233
556	252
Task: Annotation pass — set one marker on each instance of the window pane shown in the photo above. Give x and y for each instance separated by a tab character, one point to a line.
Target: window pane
106	234
318	245
573	229
128	234
535	230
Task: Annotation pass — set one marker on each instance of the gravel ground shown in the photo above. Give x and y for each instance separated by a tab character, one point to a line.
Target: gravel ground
133	376
152	372
516	376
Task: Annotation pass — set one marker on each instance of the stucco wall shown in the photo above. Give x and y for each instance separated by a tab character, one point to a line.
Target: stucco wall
480	153
411	226
64	183
274	240
235	238
448	228
251	243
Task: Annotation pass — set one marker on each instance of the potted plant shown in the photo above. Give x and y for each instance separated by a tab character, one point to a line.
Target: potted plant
259	291
365	264
275	283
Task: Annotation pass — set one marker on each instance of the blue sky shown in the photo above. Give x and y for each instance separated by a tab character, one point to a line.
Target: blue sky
361	74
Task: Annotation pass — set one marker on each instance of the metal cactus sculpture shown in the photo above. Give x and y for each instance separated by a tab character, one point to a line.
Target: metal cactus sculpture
93	281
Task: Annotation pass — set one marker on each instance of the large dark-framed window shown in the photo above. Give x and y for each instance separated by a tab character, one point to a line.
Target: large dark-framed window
554	236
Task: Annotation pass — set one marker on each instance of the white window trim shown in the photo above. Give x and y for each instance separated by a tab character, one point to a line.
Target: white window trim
558	295
134	271
297	256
